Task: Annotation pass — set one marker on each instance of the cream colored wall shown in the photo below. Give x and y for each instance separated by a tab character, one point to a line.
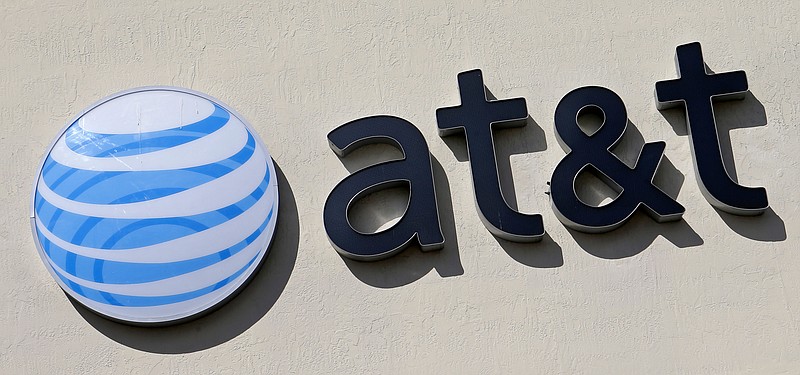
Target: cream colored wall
712	294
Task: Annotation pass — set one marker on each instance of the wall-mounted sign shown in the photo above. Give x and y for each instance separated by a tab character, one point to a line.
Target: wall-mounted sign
155	205
476	117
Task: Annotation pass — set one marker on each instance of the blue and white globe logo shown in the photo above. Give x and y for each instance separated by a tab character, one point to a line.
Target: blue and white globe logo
155	205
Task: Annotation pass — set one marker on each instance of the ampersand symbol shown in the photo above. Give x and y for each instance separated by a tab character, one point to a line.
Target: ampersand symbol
594	151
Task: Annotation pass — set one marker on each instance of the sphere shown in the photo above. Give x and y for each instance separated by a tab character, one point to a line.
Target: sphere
155	205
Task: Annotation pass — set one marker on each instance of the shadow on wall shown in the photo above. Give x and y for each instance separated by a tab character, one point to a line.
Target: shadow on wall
411	264
729	115
636	236
233	317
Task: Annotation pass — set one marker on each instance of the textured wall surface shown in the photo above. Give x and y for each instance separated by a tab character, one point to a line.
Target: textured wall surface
713	293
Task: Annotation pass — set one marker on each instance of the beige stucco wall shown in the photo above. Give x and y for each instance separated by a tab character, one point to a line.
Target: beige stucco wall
712	294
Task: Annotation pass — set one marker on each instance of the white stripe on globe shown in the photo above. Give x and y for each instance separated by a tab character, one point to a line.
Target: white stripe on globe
167	159
155	205
126	112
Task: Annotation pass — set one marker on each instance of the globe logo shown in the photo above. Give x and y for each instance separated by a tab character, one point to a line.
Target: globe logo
155	205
